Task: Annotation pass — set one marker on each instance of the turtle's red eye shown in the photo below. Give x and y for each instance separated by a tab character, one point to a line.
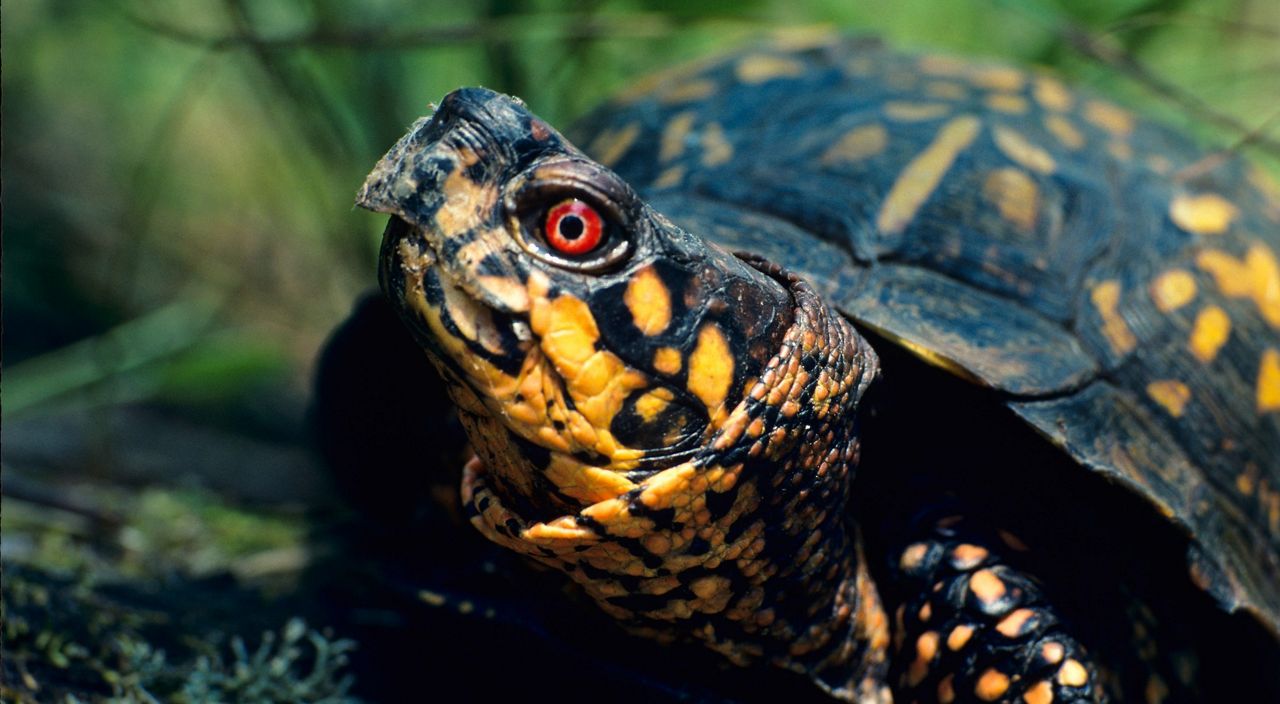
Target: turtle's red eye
573	227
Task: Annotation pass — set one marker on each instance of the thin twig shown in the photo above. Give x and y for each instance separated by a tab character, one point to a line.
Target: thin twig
1159	19
1127	64
1218	158
497	31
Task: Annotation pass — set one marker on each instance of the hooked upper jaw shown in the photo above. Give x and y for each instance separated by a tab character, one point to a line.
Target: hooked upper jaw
591	340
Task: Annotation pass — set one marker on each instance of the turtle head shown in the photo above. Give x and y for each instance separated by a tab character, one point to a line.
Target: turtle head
588	341
666	422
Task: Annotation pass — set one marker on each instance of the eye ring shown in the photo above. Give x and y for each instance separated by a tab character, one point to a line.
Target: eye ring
573	227
539	203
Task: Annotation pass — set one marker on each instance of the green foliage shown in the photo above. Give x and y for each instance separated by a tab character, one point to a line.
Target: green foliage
208	150
296	665
69	641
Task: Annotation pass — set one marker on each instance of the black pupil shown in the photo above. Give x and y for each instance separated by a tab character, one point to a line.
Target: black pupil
571	227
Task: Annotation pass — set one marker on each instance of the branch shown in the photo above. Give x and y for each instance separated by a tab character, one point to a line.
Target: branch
496	31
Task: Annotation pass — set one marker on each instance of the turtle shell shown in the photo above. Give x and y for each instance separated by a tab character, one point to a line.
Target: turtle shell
1116	286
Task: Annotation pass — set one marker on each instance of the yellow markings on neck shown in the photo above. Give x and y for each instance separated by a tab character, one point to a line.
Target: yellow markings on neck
903	111
474	321
597	381
861	142
1106	299
649	302
1203	214
1256	277
1209	333
1015	195
1021	151
716	150
1051	94
612	144
711	370
667	360
1171	394
1065	131
759	68
1173	289
1115	120
1268	394
585	482
652	403
919	179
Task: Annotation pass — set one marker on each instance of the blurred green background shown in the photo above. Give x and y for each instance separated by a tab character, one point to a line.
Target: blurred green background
178	222
179	235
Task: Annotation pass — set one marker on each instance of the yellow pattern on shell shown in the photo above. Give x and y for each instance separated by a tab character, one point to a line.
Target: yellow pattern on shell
1015	195
942	65
674	136
903	111
1106	299
1008	103
671	177
861	142
1171	394
1209	333
1051	94
998	78
716	150
919	179
1173	289
687	91
1115	120
1256	277
1021	151
1268	393
611	145
1203	214
1066	132
946	90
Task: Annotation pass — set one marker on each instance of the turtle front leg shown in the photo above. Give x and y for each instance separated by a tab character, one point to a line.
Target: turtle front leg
974	628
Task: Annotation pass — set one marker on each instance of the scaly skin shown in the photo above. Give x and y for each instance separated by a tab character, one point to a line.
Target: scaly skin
669	424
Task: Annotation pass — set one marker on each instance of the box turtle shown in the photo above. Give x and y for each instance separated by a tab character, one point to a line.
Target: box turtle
925	379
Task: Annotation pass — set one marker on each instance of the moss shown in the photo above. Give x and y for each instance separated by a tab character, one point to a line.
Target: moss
68	641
